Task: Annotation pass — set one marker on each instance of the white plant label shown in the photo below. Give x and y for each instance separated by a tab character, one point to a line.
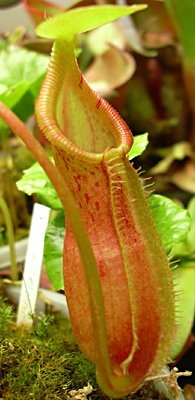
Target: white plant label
33	265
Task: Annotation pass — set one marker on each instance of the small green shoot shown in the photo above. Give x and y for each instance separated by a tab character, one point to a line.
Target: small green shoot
140	143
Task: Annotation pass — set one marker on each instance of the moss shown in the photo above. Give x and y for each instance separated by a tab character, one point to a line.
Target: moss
45	363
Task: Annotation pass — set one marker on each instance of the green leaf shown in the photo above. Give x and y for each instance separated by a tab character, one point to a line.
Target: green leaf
182	14
53	250
12	95
83	19
139	145
187	248
36	181
20	65
184	279
191	235
20	69
172	221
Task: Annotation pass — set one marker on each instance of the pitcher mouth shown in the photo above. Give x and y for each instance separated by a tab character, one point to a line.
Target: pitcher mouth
51	129
56	128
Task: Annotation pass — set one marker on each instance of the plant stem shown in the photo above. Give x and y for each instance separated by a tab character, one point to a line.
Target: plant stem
10	237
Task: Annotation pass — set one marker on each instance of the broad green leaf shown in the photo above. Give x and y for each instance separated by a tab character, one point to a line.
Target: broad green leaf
191	235
3	88
11	96
36	181
25	106
83	19
53	250
187	247
20	65
140	143
20	71
172	221
184	279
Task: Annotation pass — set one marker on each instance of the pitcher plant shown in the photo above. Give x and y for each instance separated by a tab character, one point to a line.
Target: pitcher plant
117	277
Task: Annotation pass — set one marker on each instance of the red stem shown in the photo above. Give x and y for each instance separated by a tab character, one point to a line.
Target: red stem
21	130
